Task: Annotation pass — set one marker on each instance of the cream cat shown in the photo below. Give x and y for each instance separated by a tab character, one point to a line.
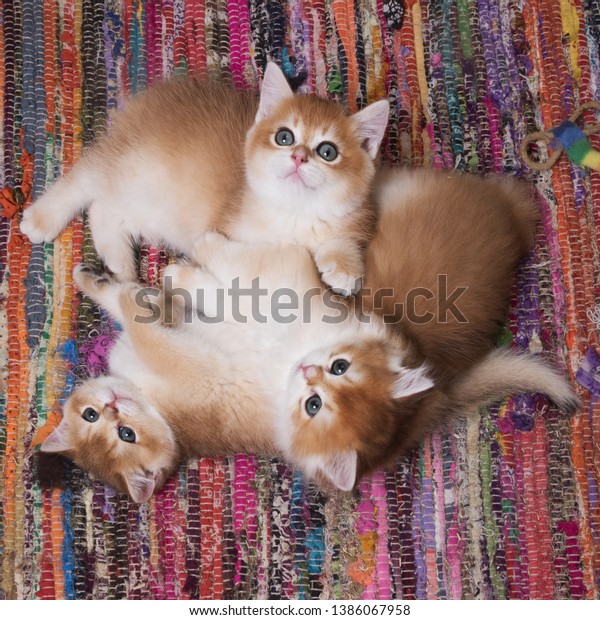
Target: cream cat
336	398
190	155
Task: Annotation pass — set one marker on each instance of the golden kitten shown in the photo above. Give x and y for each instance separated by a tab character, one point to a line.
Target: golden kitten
190	155
334	391
440	269
443	235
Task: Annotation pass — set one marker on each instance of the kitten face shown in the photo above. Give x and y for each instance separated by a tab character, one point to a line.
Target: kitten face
310	150
343	401
303	150
109	430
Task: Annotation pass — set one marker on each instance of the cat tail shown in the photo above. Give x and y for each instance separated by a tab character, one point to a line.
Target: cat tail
504	372
50	214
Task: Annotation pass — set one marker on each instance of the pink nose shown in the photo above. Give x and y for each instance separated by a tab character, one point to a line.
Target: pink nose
300	156
113	403
309	372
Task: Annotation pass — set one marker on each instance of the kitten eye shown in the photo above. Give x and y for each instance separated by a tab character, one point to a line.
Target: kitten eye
313	404
339	367
284	137
327	151
127	434
90	415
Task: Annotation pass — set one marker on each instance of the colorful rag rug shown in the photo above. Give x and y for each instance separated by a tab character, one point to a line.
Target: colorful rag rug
505	505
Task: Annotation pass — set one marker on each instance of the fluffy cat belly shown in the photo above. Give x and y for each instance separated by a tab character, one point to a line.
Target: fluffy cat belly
124	362
271	220
135	213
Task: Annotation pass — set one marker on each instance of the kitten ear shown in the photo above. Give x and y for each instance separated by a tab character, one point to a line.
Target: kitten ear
341	469
274	90
58	440
371	123
411	381
140	486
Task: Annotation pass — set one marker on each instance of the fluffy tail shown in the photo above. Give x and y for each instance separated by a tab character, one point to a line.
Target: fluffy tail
50	214
506	372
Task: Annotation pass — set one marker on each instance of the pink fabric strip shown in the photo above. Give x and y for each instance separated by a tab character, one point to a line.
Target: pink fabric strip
382	561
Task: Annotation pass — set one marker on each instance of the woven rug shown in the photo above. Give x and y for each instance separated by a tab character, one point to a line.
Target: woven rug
504	505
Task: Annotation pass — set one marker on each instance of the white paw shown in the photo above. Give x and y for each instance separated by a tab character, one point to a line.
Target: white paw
173	274
212	236
33	226
342	283
207	245
195	288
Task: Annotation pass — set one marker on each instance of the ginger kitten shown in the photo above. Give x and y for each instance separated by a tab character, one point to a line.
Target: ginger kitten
170	394
449	245
440	270
190	155
332	392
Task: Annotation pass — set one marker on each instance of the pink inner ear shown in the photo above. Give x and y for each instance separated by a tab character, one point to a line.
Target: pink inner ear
141	486
341	469
58	440
411	381
273	91
371	123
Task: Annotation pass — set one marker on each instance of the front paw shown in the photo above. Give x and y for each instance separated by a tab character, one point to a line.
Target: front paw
177	276
194	288
183	279
207	245
38	226
90	278
342	283
341	267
